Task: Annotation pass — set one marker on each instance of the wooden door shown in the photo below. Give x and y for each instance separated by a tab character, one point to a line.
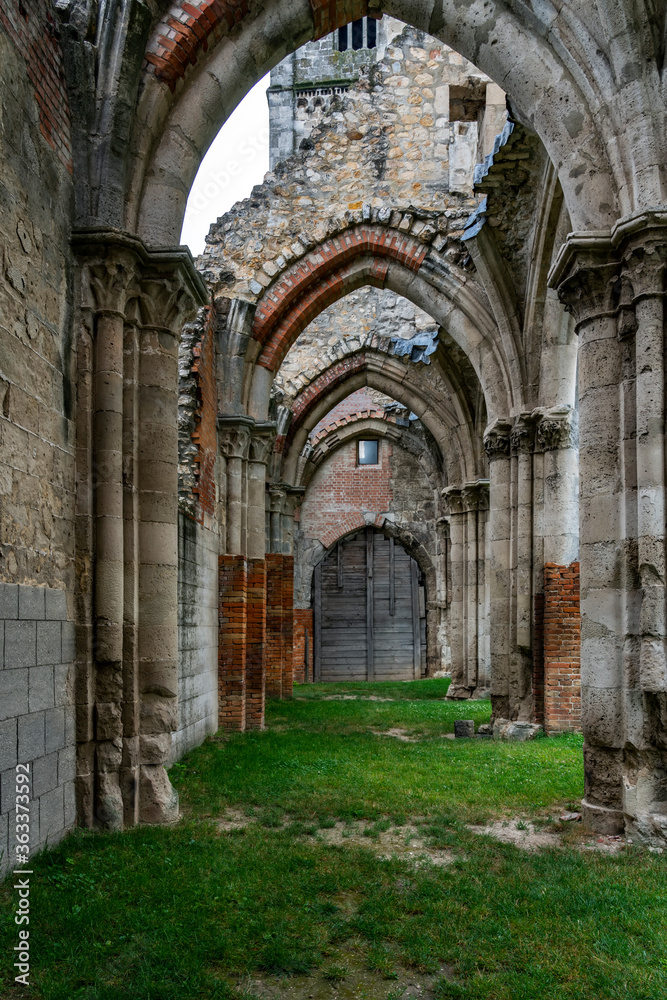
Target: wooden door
367	611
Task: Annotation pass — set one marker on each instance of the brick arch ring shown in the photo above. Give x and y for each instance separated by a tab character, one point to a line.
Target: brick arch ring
373	424
381	257
445	418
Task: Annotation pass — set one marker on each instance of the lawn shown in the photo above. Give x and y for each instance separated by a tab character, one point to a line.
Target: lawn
293	894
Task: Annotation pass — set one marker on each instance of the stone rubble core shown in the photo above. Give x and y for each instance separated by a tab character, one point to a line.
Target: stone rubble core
174	440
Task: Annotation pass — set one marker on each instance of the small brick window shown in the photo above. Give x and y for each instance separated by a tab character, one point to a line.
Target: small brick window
367	452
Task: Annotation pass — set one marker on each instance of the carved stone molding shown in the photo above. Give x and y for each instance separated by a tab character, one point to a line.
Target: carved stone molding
497	439
452	497
468	497
262	440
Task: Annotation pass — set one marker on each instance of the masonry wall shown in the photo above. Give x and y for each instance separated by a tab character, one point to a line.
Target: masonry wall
197	635
36	713
303	647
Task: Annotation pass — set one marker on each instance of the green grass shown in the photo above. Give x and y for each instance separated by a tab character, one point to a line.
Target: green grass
186	912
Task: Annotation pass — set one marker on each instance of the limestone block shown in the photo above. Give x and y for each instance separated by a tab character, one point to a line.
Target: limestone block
464	728
503	729
158	799
30	737
40	688
31	602
20	644
9	600
8	744
54	730
44	774
13	693
49	642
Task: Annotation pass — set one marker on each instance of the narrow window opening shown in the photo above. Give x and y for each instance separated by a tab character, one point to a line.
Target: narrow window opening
342	38
367	453
371	32
358	33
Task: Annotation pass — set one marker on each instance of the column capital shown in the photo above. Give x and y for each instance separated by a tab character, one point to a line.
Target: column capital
586	276
452	497
262	440
476	495
234	436
120	269
557	427
497	439
522	436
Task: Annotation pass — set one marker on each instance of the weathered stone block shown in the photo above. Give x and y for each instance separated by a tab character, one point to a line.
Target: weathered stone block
51	816
8	744
20	644
48	642
54	730
31	602
31	737
9	600
44	774
464	728
13	693
40	688
55	604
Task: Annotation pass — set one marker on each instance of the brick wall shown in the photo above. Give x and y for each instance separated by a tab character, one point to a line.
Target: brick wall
256	645
274	625
538	659
232	638
303	643
34	31
36	713
562	641
288	625
341	491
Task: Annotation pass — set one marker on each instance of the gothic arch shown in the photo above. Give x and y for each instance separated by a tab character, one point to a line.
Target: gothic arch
195	73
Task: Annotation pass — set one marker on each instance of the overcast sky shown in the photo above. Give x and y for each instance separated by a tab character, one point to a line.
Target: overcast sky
237	160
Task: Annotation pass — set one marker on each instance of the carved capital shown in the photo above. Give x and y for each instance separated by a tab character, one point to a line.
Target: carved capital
262	440
476	495
557	428
234	441
110	285
522	436
586	276
644	269
497	439
164	302
452	497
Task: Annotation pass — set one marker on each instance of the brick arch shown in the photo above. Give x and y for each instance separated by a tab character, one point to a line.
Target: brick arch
448	425
336	267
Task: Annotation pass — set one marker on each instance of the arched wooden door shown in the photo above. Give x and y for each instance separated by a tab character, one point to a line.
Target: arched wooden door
369	612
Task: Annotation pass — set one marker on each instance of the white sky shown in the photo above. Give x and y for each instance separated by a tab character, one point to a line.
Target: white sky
237	160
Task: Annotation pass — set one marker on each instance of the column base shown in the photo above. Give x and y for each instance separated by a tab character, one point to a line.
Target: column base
158	799
602	819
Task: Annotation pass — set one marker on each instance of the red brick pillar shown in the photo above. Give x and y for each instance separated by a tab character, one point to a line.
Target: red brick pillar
303	645
288	624
256	644
274	625
233	583
562	640
538	660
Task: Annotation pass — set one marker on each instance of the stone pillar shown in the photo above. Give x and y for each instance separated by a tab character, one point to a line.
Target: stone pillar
163	306
277	496
521	447
112	282
234	444
468	506
615	286
497	447
261	446
138	300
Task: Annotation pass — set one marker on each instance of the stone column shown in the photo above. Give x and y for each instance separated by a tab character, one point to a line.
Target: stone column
476	503
454	519
139	300
112	283
164	305
520	687
497	447
615	285
234	444
277	494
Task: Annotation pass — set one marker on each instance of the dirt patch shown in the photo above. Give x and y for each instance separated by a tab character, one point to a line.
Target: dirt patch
345	976
234	819
397	841
348	697
397	734
519	832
